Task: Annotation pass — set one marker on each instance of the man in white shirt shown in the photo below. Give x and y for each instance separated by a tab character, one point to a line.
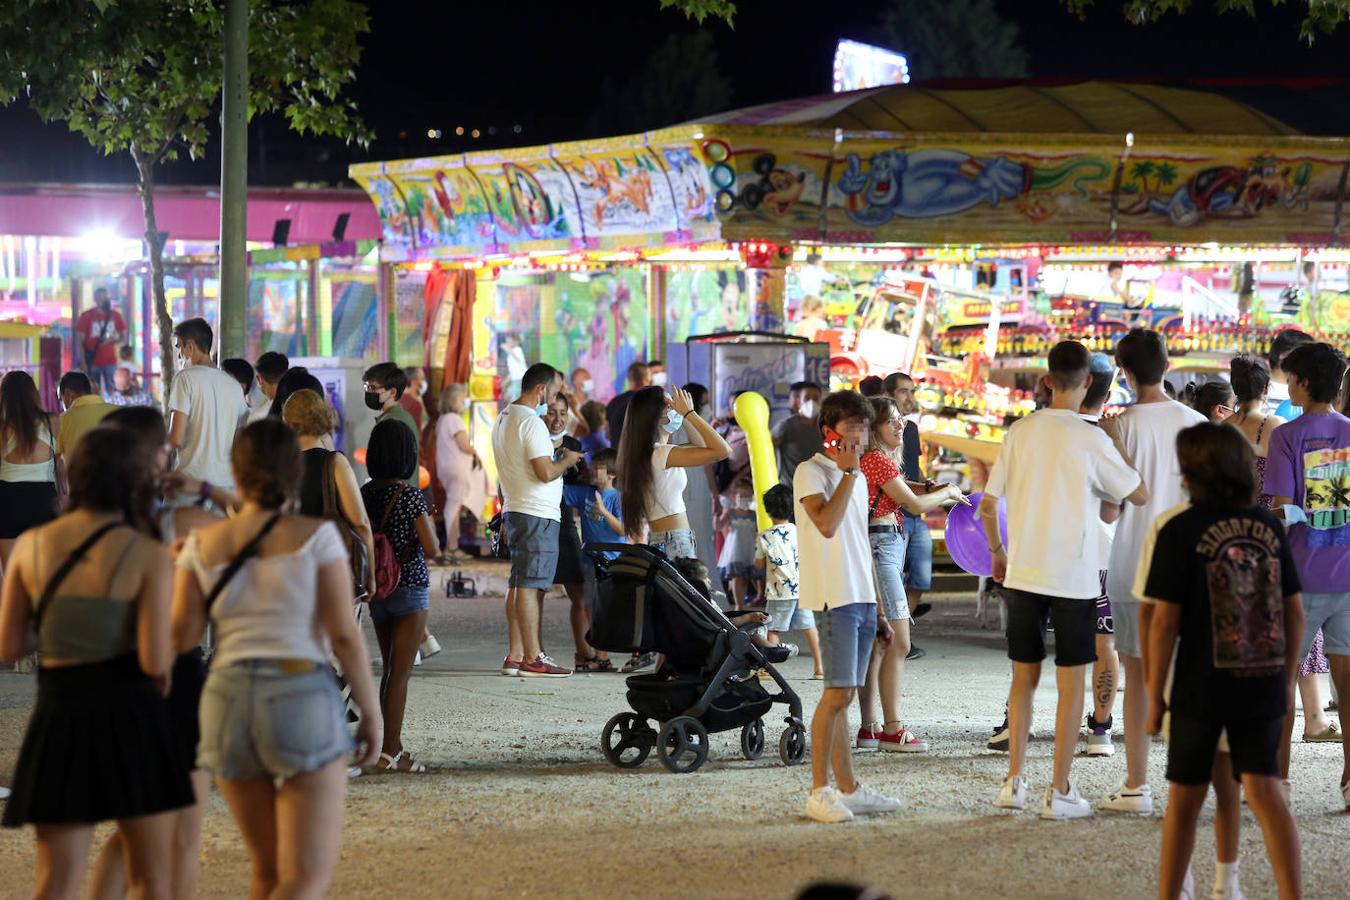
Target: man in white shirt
1148	432
205	408
532	488
838	580
1055	471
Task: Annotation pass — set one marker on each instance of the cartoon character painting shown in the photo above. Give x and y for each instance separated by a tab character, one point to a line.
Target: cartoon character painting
689	180
926	184
535	210
777	189
1218	191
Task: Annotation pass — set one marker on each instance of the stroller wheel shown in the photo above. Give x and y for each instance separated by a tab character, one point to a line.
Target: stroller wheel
682	745
627	740
752	739
792	745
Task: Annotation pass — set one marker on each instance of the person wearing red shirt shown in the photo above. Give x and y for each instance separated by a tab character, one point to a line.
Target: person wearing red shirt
98	332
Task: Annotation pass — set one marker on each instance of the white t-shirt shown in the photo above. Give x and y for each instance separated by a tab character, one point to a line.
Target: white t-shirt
1054	470
1107	532
1149	432
518	437
667	485
214	407
835	571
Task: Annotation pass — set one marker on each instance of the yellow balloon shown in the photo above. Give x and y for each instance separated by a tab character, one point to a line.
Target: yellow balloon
752	414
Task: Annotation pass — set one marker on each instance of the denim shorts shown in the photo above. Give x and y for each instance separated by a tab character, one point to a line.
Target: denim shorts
677	544
404	601
918	554
846	637
888	554
533	542
259	721
1330	613
786	615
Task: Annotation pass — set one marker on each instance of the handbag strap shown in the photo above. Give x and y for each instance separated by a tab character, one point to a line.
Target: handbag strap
63	570
393	501
249	550
332	507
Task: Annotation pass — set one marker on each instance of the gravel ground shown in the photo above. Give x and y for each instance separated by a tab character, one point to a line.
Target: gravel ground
521	802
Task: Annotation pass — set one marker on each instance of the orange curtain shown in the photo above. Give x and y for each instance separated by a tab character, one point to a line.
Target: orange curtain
462	288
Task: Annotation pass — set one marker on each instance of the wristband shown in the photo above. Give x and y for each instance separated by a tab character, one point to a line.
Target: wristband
998	549
204	494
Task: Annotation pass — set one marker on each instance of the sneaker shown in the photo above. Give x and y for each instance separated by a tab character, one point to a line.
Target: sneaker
417	660
920	610
637	662
511	667
352	772
1099	737
1130	800
543	667
827	805
1059	807
4	793
430	647
792	649
1013	794
867	739
864	800
903	741
1000	739
915	652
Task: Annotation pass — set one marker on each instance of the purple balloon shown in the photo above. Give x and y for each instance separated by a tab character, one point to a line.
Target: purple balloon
965	537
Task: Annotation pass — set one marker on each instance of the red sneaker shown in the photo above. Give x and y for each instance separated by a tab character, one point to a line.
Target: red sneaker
543	667
901	742
510	667
867	738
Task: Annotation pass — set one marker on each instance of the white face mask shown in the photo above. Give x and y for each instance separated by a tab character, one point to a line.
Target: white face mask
422	389
587	386
808	409
659	379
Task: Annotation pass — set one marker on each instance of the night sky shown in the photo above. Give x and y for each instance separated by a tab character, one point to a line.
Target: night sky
543	66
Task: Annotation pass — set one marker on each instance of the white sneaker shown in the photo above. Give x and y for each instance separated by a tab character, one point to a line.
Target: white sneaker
827	805
1234	892
430	647
1013	794
1059	807
4	793
1099	741
417	660
1130	800
1188	885
864	800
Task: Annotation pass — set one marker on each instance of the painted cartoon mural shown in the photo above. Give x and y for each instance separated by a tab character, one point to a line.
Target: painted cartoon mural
1155	188
706	301
924	184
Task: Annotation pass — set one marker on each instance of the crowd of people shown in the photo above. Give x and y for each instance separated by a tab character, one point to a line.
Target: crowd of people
1196	549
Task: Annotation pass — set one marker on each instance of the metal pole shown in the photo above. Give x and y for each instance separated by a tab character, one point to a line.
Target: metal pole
234	183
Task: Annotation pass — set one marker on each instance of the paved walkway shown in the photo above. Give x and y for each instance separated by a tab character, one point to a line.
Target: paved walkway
523	804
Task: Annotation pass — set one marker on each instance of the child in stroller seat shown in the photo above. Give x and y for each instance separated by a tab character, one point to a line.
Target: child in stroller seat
696	573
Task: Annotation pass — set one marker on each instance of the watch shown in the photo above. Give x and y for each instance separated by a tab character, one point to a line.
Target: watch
851	471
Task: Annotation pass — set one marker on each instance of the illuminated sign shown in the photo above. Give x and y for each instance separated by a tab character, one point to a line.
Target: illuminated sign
858	65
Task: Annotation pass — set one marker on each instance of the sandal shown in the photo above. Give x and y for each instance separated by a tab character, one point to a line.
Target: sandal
603	665
390	764
583	663
1329	735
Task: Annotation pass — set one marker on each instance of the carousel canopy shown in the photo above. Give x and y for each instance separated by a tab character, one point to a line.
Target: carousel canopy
1083	163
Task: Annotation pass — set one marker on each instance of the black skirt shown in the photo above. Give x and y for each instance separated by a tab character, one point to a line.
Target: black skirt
100	746
185	696
25	505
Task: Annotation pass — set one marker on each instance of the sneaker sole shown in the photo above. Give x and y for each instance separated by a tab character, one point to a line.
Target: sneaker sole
511	673
889	748
1100	751
524	674
1127	811
865	745
1016	807
1051	817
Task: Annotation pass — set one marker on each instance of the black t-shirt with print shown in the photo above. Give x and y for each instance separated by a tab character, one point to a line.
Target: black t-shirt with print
1229	571
400	528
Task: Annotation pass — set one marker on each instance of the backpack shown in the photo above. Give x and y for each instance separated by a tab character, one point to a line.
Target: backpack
387	570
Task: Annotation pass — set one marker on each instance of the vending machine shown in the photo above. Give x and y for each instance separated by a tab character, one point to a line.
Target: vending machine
341	380
748	361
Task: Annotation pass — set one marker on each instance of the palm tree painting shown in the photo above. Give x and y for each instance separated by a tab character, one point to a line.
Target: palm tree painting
1167	175
1140	172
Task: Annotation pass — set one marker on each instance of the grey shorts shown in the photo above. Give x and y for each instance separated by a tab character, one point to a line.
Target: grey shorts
786	615
1330	614
258	721
534	550
1125	621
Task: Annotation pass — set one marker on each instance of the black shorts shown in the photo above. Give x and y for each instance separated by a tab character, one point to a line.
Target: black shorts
1253	744
1075	628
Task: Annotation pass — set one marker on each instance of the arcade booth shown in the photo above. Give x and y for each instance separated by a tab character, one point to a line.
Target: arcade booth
951	233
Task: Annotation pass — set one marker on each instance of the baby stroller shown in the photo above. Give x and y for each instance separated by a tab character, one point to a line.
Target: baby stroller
707	681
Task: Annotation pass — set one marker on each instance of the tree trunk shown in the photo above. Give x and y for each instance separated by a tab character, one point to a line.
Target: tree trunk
145	170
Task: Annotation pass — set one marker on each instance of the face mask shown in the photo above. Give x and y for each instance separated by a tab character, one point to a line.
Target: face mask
541	410
659	379
422	391
745	503
373	401
587	386
557	437
673	423
808	409
705	412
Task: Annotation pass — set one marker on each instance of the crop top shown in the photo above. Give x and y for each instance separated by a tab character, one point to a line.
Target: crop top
269	610
89	628
667	485
44	471
879	469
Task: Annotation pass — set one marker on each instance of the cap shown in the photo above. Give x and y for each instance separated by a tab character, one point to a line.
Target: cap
1101	363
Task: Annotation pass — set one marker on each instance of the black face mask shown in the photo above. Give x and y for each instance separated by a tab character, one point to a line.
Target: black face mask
373	401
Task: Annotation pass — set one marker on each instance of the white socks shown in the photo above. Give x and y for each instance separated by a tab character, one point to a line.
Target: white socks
1226	881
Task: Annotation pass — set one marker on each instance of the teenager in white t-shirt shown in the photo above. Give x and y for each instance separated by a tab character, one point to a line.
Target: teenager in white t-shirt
837	579
532	488
1055	472
1148	431
205	409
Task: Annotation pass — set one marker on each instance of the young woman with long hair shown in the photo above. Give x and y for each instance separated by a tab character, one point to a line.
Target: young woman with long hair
277	590
887	494
91	593
28	462
651	472
456	462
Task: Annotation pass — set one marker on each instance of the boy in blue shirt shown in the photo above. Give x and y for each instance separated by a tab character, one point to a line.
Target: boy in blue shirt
598	504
